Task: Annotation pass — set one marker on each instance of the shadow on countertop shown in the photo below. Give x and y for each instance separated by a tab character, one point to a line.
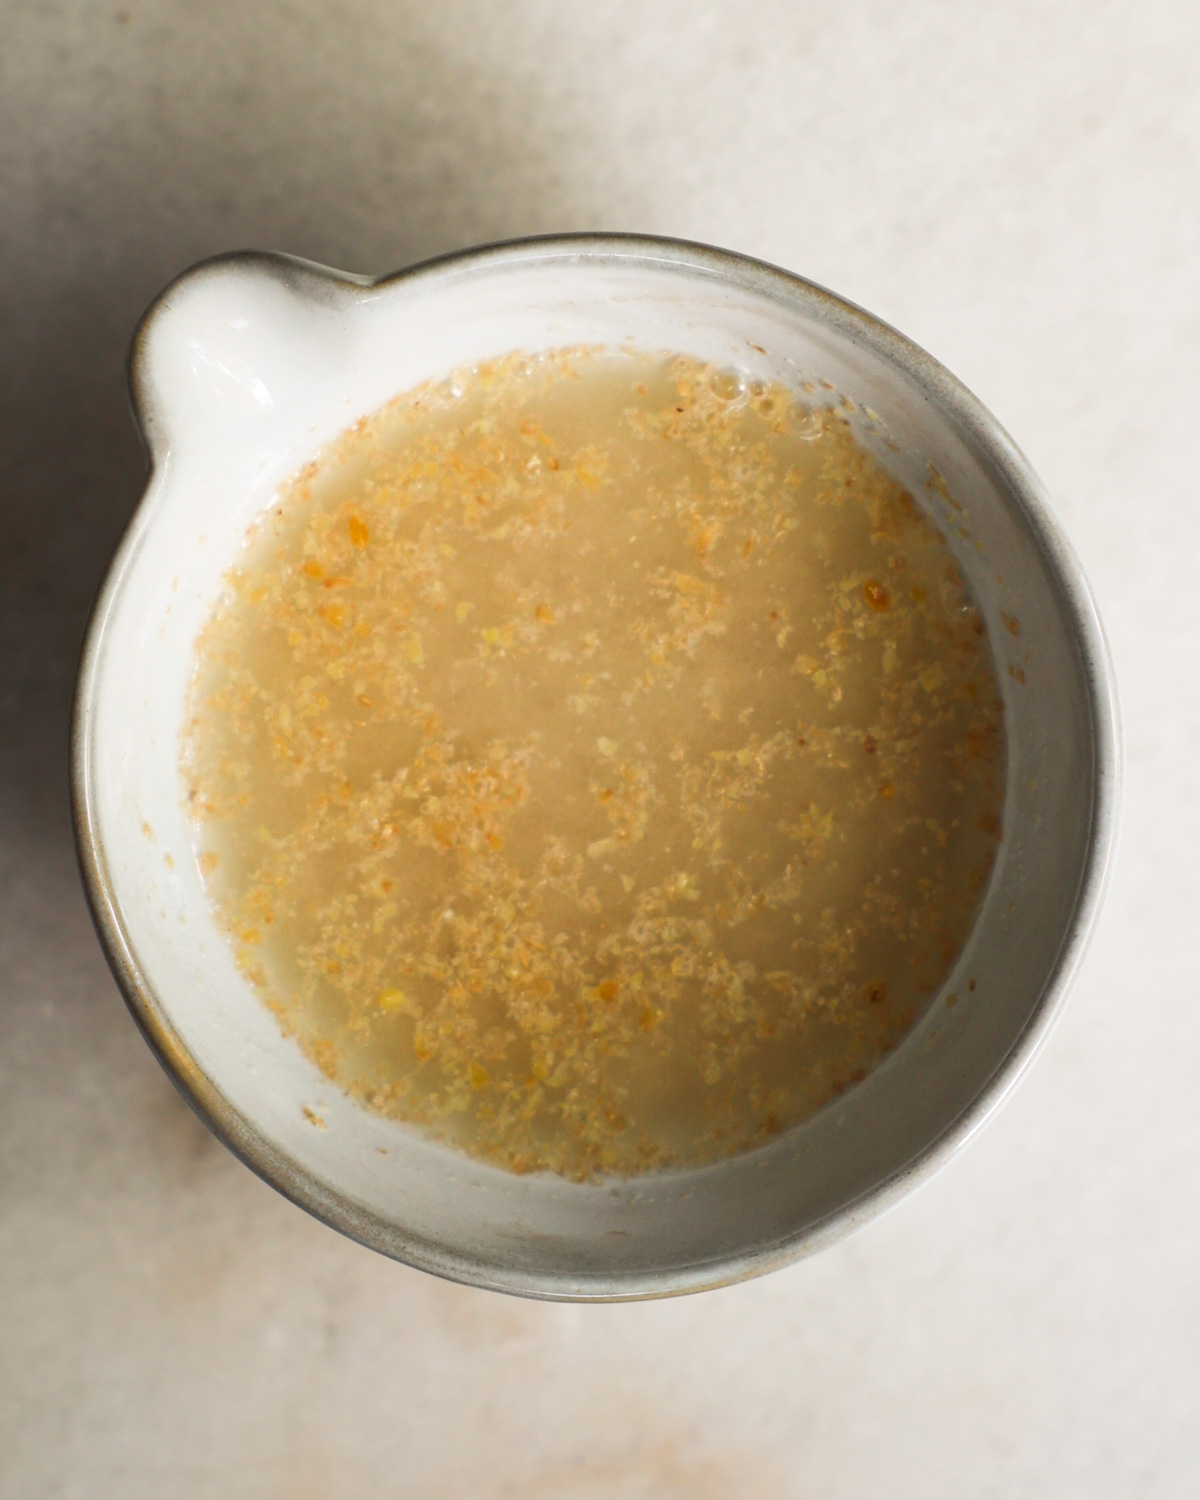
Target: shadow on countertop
132	144
355	135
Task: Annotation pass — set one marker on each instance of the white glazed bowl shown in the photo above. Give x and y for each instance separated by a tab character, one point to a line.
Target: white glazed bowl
241	371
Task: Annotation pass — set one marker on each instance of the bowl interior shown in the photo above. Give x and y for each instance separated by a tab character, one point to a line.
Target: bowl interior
243	370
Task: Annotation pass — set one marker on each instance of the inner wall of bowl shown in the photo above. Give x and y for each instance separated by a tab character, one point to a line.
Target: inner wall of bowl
248	369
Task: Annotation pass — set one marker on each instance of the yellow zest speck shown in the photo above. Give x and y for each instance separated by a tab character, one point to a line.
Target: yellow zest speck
705	538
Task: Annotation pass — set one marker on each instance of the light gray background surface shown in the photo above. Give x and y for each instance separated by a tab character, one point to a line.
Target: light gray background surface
1016	186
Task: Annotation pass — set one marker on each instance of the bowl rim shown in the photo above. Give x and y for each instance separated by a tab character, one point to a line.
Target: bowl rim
976	424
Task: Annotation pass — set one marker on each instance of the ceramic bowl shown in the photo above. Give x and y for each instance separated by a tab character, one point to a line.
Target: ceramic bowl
241	371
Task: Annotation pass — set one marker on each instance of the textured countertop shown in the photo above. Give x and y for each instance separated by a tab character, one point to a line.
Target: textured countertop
1017	187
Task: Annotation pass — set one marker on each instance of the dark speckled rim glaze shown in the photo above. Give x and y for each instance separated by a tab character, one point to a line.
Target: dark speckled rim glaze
979	428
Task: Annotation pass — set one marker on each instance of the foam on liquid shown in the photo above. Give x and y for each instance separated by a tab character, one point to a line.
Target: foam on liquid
596	761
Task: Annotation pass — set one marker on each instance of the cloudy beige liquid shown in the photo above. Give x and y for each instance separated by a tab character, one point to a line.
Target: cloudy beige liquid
595	761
